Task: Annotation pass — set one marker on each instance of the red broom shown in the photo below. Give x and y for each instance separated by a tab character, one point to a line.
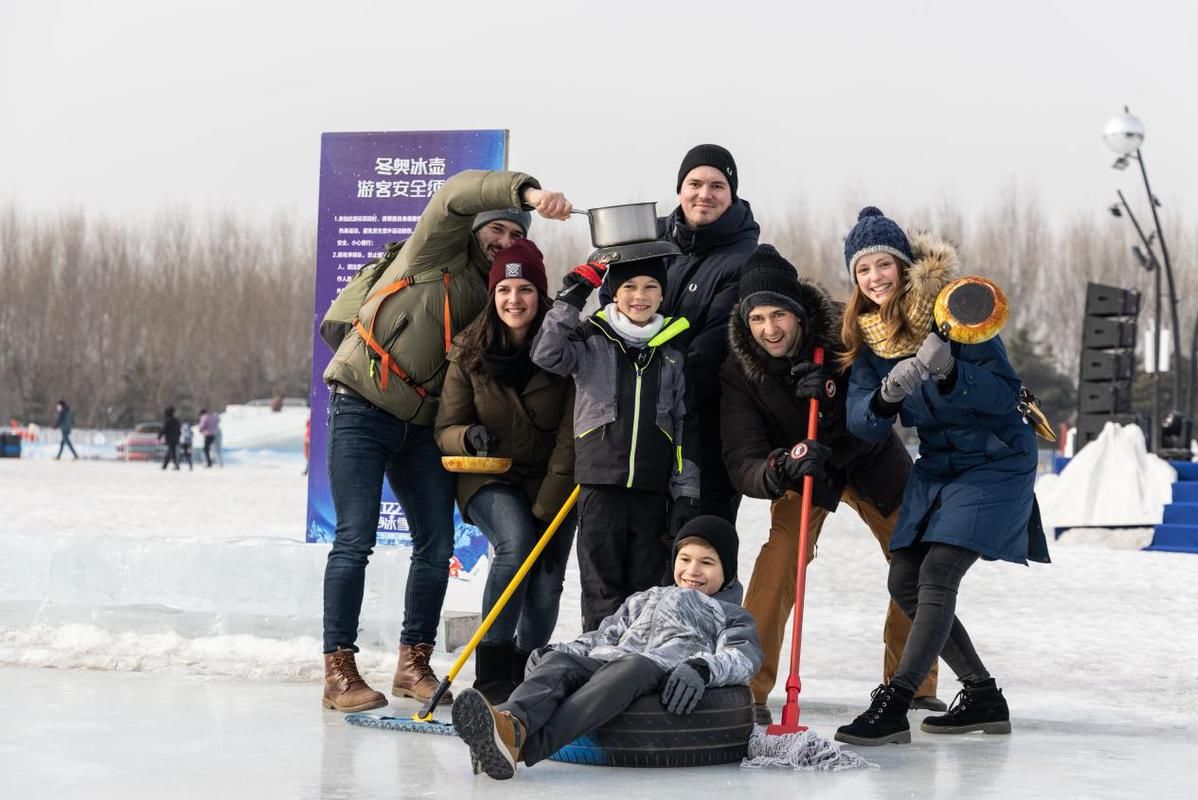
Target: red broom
790	711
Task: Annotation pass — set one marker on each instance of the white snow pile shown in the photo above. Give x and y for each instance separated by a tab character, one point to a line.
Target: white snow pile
1112	482
256	427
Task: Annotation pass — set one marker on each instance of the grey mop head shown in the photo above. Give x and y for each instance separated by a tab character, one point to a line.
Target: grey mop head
807	751
364	720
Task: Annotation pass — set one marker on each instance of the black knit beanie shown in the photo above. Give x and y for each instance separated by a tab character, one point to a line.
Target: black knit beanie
708	155
620	271
717	532
768	279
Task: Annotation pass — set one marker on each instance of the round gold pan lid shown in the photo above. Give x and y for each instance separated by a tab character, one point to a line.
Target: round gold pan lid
971	310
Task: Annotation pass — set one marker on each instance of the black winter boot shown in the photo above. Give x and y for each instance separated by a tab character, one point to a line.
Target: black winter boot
519	662
493	671
883	722
978	707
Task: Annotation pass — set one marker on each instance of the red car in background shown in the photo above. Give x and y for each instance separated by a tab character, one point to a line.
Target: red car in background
142	444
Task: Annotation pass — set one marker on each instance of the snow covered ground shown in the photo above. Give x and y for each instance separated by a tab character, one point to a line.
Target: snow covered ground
157	594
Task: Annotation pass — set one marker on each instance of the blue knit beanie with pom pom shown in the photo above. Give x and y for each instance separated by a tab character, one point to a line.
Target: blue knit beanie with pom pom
875	233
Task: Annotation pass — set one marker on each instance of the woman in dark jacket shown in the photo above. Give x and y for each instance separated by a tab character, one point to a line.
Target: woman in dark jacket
496	402
171	429
65	422
970	494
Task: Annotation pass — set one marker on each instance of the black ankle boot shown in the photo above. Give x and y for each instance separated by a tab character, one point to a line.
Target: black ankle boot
884	721
493	671
978	707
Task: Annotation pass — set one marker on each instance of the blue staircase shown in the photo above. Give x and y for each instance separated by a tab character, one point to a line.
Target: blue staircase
1178	531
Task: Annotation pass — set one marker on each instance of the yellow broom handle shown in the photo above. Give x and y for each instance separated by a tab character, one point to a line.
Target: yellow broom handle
497	609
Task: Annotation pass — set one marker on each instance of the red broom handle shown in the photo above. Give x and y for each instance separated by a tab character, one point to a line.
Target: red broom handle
790	711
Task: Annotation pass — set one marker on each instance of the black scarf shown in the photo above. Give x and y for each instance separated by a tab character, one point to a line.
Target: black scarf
512	368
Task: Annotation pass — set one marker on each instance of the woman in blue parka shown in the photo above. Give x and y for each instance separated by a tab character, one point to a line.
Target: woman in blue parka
970	494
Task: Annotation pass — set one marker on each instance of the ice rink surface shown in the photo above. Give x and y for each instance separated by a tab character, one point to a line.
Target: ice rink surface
110	691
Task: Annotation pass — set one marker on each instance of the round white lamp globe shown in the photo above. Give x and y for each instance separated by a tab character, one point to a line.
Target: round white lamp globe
1124	134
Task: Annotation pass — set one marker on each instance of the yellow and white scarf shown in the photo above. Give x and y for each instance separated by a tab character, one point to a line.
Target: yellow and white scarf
917	311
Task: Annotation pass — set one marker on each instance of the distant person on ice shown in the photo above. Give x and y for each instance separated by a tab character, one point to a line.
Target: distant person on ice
635	448
384	389
970	494
677	640
185	441
209	429
171	430
65	422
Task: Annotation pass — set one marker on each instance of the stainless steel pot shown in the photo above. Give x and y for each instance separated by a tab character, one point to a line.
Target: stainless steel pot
623	224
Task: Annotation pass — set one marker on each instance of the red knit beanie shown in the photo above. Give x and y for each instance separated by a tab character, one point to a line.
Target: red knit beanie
521	260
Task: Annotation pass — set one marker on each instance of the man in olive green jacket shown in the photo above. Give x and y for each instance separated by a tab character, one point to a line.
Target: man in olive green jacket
384	380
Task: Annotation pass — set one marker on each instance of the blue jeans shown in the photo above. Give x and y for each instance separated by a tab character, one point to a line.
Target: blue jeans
366	443
504	515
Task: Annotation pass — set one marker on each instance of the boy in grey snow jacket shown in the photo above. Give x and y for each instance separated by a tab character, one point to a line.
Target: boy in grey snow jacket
678	639
634	452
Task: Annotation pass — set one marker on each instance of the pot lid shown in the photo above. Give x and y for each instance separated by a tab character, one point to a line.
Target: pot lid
637	251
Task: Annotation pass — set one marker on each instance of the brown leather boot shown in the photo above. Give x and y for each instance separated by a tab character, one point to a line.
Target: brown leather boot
414	677
495	738
344	688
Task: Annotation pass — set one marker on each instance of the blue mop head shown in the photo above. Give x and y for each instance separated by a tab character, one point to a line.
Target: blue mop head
363	720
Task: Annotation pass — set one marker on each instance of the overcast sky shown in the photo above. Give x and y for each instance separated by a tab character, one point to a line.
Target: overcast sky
123	107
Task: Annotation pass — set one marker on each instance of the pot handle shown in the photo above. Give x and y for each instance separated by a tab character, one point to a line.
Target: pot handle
582	211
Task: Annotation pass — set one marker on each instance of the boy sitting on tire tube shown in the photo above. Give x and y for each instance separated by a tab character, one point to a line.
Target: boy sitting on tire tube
677	640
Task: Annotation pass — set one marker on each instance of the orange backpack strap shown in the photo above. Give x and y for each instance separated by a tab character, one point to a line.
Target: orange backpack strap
386	363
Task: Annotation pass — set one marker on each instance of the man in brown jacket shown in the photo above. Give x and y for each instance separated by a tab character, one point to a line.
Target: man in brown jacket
385	379
768	381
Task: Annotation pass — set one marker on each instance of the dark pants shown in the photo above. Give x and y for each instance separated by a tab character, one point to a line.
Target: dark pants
716	495
566	696
504	515
924	579
185	453
623	547
172	455
208	440
366	444
66	442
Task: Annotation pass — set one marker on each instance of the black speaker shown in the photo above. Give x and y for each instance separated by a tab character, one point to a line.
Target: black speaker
1109	397
1090	425
1111	301
1101	333
1108	365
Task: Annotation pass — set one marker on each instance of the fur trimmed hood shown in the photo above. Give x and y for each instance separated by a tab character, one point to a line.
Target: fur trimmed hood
936	264
824	316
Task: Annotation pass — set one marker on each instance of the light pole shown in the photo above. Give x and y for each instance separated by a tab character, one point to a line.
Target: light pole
1148	260
1124	134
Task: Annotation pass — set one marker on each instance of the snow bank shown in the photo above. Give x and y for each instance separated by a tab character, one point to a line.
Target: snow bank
1112	481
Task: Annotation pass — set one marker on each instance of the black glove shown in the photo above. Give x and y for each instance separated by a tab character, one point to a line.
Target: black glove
580	282
479	440
811	380
684	686
784	468
682	511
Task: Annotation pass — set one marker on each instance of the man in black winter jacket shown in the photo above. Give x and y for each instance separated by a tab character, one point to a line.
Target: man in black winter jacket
768	382
716	232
